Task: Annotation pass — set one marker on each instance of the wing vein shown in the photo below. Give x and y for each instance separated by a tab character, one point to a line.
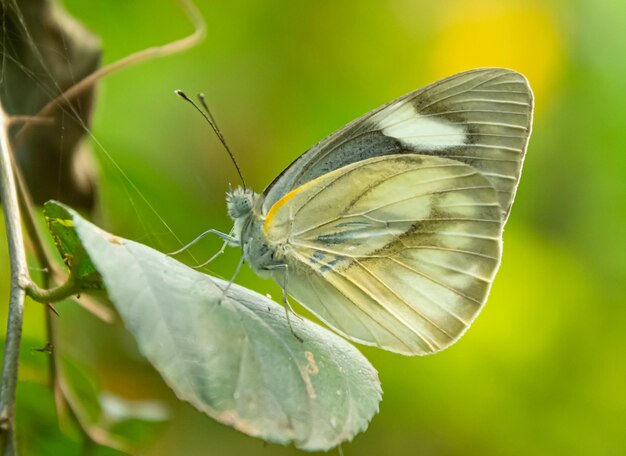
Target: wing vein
441	284
382	305
400	173
388	330
439	100
420	314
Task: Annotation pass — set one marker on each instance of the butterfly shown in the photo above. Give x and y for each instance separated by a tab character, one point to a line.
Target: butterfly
390	229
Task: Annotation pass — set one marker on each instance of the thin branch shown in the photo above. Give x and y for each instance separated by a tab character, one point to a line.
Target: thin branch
14	120
42	253
53	367
19	274
91	433
8	193
63	291
52	272
146	54
27	208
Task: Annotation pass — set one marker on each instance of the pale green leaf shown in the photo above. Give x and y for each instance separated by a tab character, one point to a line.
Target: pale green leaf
236	360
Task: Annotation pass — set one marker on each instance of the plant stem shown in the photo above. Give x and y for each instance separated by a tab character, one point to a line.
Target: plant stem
65	290
19	274
146	54
50	270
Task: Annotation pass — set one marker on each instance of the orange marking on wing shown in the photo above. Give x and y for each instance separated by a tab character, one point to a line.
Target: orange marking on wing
277	205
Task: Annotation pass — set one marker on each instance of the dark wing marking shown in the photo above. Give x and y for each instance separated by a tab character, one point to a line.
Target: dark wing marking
481	117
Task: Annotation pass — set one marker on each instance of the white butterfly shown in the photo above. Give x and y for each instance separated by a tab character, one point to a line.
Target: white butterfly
390	229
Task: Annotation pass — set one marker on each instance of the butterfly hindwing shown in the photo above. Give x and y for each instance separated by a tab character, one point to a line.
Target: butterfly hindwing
396	251
479	117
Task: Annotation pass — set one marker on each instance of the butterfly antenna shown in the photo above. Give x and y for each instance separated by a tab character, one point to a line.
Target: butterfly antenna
206	113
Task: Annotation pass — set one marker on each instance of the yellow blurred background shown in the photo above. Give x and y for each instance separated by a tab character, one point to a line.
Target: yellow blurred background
543	369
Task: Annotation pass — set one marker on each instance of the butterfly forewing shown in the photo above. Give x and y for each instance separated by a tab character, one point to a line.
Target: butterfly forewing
480	117
396	251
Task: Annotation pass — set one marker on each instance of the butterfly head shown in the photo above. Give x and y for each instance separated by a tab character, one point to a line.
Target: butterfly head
240	202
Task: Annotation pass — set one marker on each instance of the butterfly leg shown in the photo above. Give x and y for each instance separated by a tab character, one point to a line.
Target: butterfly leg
232	280
229	239
218	253
286	303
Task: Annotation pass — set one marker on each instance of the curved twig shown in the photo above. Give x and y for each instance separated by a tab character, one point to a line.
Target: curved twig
8	193
146	54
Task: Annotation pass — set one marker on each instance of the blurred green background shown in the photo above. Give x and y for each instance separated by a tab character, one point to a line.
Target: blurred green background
543	369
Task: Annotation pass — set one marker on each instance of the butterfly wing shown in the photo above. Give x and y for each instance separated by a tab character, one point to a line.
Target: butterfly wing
480	117
396	251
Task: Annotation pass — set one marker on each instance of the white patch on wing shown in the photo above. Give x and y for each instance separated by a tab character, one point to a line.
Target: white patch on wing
412	129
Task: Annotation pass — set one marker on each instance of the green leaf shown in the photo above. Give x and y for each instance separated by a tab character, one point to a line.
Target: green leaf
61	226
236	360
38	433
110	420
36	415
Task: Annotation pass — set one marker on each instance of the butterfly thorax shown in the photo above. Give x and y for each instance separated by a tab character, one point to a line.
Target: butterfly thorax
245	207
